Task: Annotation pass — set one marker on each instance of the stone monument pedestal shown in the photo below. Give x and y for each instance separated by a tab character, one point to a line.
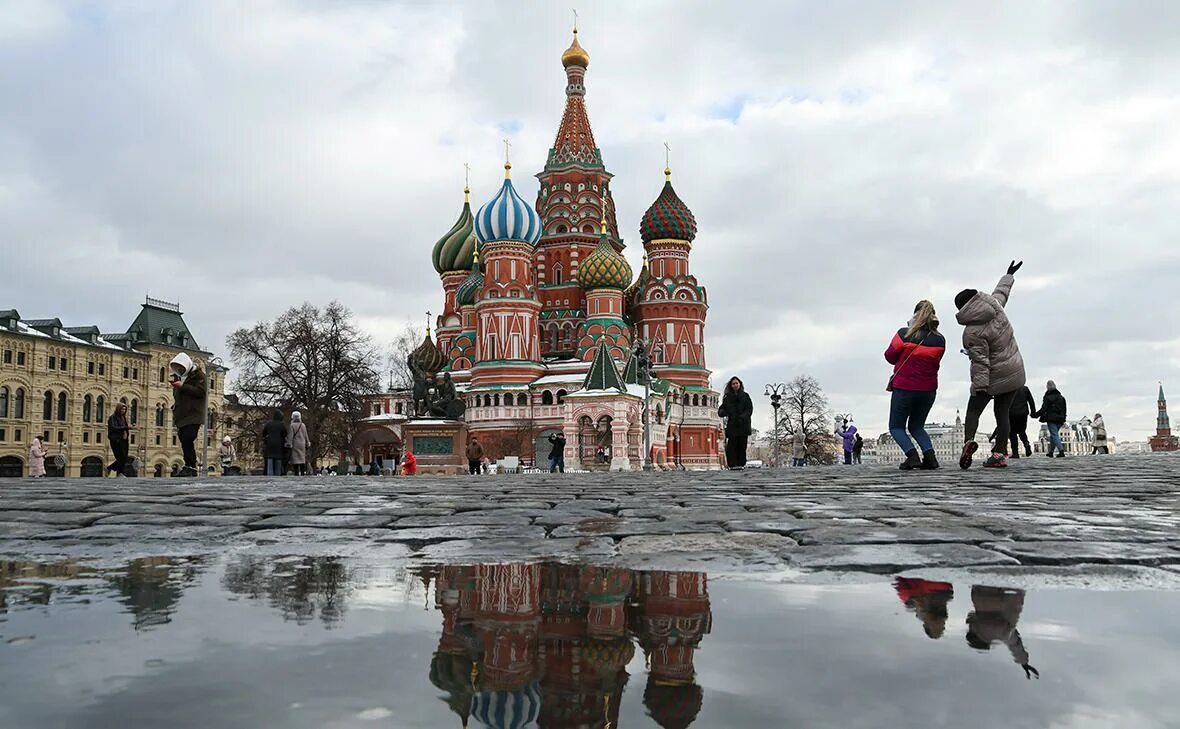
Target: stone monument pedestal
440	445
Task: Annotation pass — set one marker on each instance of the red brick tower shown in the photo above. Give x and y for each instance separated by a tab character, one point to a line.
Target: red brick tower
573	197
1163	440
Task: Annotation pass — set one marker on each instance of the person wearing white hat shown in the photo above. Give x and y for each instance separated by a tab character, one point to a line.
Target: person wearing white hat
227	454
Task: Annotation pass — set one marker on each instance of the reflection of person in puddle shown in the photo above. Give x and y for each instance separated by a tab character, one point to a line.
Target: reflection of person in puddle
928	601
994	619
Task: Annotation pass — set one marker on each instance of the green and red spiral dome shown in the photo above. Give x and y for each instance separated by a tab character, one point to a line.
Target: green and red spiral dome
668	217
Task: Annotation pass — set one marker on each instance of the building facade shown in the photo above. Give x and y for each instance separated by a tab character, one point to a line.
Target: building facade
541	314
1163	440
62	383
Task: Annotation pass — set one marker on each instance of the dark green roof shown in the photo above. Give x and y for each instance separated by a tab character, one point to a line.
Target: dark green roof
603	374
162	323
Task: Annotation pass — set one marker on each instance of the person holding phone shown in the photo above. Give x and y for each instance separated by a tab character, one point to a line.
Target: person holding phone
188	409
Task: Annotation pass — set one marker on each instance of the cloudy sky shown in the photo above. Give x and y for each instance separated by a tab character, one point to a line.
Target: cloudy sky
843	159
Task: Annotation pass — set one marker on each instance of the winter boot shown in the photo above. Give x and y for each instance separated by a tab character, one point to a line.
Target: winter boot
1028	451
969	449
911	461
1061	454
929	462
996	460
1015	453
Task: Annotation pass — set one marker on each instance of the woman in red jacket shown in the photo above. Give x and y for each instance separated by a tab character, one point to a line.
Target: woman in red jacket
915	353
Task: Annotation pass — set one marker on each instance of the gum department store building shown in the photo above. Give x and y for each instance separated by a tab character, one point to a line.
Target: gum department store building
541	313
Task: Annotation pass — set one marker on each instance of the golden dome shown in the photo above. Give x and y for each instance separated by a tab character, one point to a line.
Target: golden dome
575	55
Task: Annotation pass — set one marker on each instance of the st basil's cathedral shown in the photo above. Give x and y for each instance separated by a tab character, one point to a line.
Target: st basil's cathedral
541	314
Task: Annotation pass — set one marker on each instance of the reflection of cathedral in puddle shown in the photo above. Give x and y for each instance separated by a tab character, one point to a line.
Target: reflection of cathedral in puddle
547	645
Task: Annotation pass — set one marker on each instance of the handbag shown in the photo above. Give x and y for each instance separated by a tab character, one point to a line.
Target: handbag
889	385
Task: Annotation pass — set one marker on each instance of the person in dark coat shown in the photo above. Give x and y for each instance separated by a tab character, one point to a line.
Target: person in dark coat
188	409
274	441
557	453
118	436
1023	406
858	446
474	457
1052	414
738	410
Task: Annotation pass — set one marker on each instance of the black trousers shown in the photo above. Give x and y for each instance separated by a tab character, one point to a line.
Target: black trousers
188	439
1019	434
473	467
1002	406
735	450
119	448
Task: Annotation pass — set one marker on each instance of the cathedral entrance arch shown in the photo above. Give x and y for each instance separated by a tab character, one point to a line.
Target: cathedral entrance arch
91	467
11	467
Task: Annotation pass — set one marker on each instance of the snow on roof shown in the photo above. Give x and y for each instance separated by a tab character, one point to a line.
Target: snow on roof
22	327
573	377
385	418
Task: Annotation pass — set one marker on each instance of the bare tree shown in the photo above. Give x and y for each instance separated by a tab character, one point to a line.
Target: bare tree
400	376
805	408
313	360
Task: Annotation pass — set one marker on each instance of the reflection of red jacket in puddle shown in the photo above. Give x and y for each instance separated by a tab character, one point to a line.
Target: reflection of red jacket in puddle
409	464
928	601
913	588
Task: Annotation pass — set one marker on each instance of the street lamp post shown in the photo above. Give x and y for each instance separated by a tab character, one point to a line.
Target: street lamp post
644	362
775	391
213	362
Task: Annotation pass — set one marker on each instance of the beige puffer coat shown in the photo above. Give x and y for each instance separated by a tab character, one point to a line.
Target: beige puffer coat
996	364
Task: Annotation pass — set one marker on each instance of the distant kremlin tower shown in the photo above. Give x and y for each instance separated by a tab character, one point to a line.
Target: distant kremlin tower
1163	440
541	313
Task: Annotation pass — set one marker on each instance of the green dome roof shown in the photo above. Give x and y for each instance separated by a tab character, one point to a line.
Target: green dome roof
604	268
453	252
468	290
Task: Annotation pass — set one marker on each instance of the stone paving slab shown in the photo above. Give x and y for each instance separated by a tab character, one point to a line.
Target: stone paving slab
1039	514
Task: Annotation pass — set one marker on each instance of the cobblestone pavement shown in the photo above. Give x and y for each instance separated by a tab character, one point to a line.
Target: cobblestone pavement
1076	513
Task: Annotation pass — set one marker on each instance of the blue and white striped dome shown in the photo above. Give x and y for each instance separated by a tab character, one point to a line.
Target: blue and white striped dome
518	709
507	217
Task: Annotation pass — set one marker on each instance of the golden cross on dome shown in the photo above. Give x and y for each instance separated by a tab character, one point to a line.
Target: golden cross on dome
575	20
428	323
466	182
507	160
667	161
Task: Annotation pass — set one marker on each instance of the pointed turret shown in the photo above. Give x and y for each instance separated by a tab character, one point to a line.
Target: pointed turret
603	374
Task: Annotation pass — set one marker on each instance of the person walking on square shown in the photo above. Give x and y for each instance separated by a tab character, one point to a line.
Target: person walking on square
799	449
227	454
188	409
474	457
274	441
1052	413
858	446
915	352
297	442
847	432
1023	405
1099	429
738	410
997	368
37	453
557	453
118	435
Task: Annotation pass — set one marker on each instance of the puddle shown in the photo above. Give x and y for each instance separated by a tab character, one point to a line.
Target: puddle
292	641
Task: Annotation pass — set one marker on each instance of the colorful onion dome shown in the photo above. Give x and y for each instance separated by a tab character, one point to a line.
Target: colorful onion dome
575	55
604	268
673	706
428	357
467	291
518	709
668	216
613	654
507	217
453	251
